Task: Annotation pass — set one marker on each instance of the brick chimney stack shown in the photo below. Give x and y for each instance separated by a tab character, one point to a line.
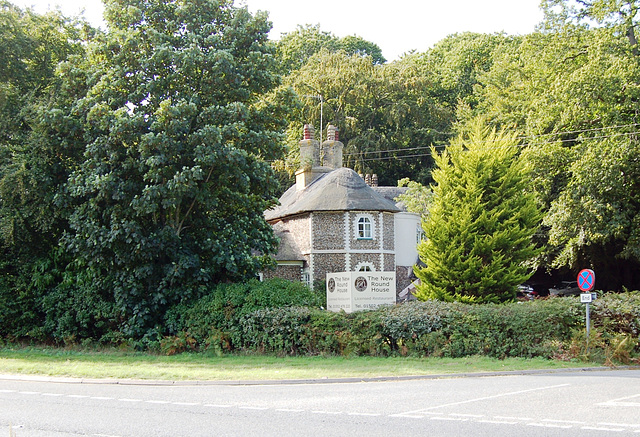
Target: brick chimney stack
309	148
310	167
332	148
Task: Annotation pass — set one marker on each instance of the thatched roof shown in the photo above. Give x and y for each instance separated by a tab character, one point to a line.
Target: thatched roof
339	190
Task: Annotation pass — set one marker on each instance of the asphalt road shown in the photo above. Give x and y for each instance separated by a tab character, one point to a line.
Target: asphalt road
580	403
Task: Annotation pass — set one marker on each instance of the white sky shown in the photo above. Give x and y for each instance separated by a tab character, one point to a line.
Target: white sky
395	26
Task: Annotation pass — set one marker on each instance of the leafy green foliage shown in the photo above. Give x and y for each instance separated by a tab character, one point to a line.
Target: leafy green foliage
384	112
620	16
35	156
479	228
618	313
542	328
144	152
417	198
169	197
574	90
457	63
224	307
294	49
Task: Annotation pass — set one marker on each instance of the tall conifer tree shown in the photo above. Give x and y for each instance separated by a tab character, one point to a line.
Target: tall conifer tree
478	233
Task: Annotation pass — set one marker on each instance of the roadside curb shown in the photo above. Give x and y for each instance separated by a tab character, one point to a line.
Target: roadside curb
349	380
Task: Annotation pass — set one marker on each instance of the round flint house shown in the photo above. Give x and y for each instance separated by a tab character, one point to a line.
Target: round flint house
331	220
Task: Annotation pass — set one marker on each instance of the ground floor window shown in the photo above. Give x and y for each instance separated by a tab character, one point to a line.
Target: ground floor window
365	267
306	277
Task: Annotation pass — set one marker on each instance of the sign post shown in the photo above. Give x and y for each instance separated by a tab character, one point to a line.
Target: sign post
586	282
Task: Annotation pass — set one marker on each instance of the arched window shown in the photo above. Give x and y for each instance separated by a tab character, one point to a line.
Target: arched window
364	229
365	267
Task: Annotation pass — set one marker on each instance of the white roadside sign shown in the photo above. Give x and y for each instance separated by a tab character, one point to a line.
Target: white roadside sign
356	291
586	298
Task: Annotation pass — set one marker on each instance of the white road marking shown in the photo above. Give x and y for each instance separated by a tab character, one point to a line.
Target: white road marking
549	425
504	422
519	419
621	402
450	419
468	401
594	428
630	425
417	414
572	422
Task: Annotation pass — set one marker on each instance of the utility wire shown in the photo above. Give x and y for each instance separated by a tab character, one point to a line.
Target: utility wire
520	138
489	145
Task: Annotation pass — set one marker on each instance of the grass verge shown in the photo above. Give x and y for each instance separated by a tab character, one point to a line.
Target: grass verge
202	367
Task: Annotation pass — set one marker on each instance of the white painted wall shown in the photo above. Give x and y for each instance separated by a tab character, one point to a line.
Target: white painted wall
406	227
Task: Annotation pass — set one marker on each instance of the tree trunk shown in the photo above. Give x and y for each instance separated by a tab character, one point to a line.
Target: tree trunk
632	40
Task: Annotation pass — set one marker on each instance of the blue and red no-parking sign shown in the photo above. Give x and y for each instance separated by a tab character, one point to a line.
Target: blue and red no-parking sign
586	280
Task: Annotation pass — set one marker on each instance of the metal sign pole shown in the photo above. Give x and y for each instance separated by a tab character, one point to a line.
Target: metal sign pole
586	282
588	326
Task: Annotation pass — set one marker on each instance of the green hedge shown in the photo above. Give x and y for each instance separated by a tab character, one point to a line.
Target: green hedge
291	322
214	320
417	328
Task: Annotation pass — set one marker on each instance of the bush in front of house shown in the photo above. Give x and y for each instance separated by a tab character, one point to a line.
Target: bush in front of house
238	318
529	329
214	320
429	328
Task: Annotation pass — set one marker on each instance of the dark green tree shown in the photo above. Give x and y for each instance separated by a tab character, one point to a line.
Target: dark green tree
456	64
573	89
481	220
35	155
621	16
294	49
170	196
386	114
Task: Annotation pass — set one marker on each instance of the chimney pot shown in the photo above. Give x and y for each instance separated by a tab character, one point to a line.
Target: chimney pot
309	132
333	133
332	149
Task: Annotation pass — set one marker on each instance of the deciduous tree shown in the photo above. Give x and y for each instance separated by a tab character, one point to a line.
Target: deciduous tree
170	196
35	156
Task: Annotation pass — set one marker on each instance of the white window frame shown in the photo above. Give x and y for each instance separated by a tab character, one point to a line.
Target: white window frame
305	277
364	227
419	233
365	267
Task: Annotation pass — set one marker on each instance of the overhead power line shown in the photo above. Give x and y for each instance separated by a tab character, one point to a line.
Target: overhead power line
398	153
